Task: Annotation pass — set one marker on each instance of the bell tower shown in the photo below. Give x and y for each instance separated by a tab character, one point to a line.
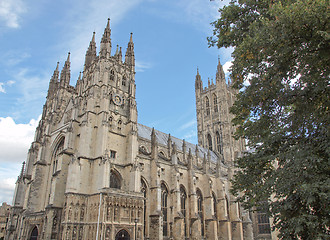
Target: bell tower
215	130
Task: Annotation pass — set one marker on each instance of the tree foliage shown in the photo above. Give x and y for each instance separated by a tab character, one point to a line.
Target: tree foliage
281	66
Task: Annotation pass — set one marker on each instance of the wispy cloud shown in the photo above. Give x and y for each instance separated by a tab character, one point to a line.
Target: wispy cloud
189	124
2	89
10	12
8	176
142	66
227	66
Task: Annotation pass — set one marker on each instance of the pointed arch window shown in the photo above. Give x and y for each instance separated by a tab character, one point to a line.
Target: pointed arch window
227	206
114	180
58	151
219	142
215	103
209	141
34	234
214	198
144	192
119	124
207	106
200	210
112	75
183	201
123	82
164	209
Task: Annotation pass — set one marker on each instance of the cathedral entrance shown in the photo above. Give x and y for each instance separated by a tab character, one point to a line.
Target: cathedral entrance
122	235
34	234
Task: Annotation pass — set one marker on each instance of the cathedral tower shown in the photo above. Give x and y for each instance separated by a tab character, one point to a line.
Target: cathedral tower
215	130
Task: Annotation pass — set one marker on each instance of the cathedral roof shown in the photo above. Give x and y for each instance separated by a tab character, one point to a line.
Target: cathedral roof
162	139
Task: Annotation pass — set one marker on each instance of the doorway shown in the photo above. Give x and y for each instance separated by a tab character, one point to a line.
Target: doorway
34	234
122	235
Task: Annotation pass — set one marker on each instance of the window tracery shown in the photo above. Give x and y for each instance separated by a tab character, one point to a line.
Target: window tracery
164	195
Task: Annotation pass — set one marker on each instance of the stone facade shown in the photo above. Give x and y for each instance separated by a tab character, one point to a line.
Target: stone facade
4	216
94	172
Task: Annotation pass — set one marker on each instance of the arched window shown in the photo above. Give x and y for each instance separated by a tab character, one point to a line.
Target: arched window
58	151
123	83
215	103
207	106
200	209
227	206
219	142
215	205
112	75
34	234
183	201
209	141
144	191
114	180
164	208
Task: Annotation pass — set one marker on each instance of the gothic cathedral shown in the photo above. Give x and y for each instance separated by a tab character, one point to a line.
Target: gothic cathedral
94	172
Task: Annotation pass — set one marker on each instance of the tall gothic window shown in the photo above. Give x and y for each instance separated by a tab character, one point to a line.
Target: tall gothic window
219	142
114	180
209	141
112	75
200	209
207	106
183	201
215	103
215	205
144	191
57	152
227	206
123	81
164	208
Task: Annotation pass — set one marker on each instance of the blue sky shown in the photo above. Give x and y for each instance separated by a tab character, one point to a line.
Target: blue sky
170	43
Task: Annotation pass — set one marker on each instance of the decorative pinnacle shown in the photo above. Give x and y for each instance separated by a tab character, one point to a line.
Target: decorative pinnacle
57	66
68	59
131	38
93	38
108	24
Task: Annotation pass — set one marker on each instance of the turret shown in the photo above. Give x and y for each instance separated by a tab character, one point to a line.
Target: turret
220	75
129	56
105	48
91	52
198	82
65	73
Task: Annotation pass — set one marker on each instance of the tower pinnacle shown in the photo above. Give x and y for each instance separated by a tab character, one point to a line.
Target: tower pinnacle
105	48
91	52
65	73
129	56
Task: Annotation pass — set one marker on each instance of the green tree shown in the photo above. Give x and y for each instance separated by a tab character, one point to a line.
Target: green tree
281	67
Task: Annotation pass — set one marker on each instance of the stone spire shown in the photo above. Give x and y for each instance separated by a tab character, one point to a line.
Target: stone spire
53	82
220	76
198	81
105	48
91	52
65	73
129	56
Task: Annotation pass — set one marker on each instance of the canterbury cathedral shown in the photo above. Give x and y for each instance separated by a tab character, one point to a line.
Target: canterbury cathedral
94	172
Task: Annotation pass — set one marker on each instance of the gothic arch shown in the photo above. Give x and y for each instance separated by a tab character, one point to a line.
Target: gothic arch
115	179
209	141
218	137
184	208
144	190
207	106
58	147
112	74
215	201
34	233
122	235
164	207
215	102
200	209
